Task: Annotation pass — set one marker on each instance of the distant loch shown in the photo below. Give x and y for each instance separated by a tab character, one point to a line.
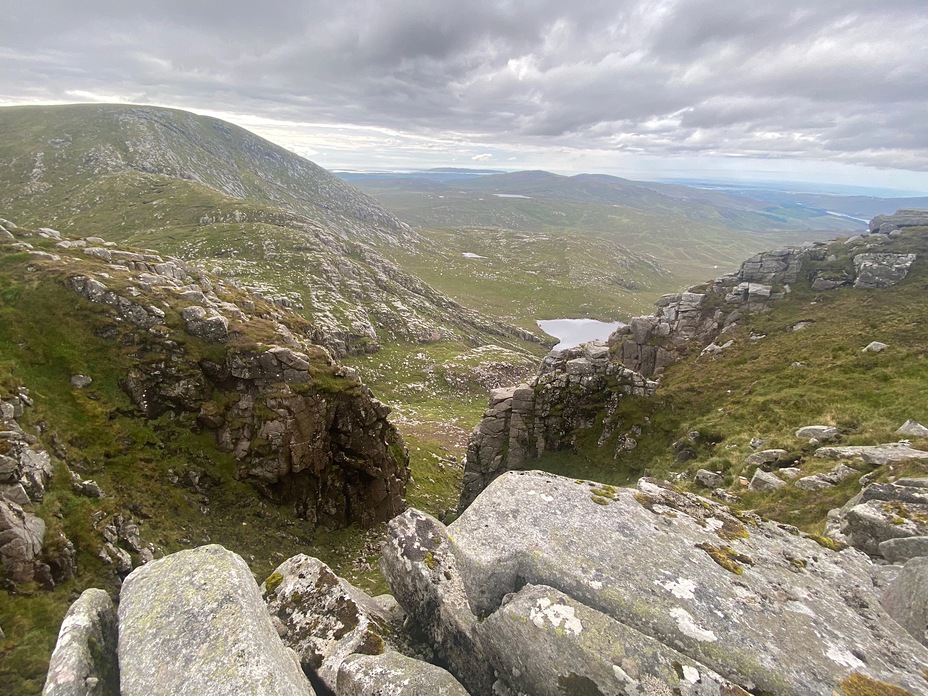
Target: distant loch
573	332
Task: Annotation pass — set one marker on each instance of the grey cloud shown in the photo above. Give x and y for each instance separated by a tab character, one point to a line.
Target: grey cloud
845	79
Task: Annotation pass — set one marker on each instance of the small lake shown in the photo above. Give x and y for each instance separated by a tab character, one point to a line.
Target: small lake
573	332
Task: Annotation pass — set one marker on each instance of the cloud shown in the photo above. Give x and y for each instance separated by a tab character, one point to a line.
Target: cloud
483	157
843	81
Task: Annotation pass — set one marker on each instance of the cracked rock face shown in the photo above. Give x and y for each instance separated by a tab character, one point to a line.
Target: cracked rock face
21	536
323	618
526	421
680	585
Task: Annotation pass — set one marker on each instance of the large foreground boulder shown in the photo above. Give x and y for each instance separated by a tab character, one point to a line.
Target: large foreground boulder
84	662
549	585
194	623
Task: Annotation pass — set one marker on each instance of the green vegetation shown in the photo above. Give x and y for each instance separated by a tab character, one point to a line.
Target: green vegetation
771	387
578	247
728	558
47	334
861	685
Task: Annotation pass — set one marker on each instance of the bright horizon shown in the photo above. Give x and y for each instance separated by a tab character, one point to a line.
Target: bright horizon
827	93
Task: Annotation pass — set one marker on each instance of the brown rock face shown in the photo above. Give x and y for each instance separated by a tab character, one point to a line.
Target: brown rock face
322	443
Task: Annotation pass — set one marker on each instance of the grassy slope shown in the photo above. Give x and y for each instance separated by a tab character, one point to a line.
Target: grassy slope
550	257
753	390
47	335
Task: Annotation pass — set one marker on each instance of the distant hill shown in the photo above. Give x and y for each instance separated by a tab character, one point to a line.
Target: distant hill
579	246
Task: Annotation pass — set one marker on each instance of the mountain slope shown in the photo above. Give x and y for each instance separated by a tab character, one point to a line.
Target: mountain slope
52	151
147	406
205	190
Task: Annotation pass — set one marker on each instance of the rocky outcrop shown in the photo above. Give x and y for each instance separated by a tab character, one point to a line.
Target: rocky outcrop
649	344
881	270
303	428
194	622
333	454
547	585
84	662
21	537
26	553
544	415
25	468
697	319
323	618
906	217
882	512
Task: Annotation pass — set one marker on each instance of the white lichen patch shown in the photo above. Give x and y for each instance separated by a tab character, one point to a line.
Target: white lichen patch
799	608
681	588
688	626
558	615
713	524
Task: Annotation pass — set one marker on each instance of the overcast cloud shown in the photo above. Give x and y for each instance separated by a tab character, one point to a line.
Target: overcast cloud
581	84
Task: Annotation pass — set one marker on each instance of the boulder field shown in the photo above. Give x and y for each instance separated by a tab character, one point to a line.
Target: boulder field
544	585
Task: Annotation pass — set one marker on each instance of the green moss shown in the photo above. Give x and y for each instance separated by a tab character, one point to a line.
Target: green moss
646	501
272	583
373	644
732	529
599	500
825	541
901	513
430	561
726	557
577	685
605	491
861	685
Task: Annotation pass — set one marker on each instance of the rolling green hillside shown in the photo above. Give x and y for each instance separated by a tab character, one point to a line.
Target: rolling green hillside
586	245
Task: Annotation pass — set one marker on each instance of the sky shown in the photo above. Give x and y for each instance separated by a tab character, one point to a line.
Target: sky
823	90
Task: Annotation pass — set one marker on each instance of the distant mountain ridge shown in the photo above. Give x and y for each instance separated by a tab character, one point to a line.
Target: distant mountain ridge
751	213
